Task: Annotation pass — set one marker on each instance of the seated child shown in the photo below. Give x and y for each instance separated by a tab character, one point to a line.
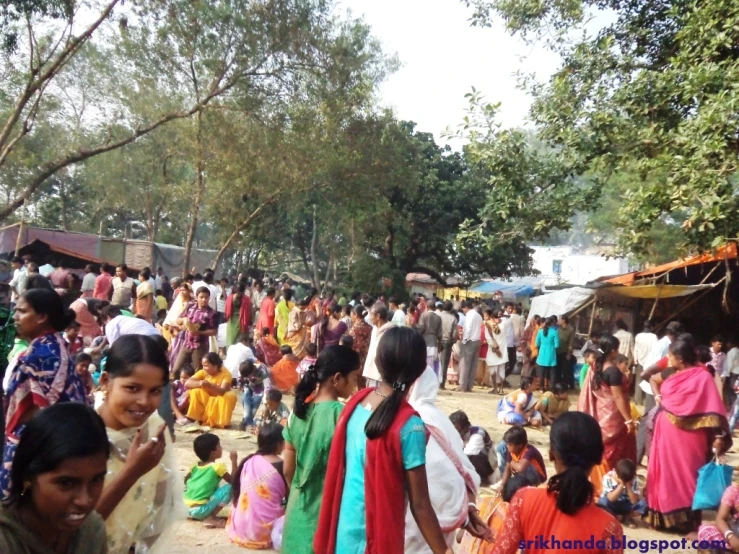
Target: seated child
311	355
73	338
203	497
347	340
272	410
620	494
253	382
82	367
521	458
553	404
477	445
259	493
727	521
180	396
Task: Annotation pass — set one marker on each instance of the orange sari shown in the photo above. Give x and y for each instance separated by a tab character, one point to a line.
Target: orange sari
284	376
492	512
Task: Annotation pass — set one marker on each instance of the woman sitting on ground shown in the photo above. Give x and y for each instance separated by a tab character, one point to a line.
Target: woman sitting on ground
518	408
65	443
284	375
564	510
212	401
259	491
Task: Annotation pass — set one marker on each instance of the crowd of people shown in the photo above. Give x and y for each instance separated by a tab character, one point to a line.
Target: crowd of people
99	383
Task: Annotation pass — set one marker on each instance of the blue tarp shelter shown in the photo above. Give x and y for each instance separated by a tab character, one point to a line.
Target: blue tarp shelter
507	288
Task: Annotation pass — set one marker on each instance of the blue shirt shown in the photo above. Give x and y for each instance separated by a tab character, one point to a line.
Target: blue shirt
547	347
351	535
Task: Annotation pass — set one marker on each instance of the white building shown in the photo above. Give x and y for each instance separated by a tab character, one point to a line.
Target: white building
566	265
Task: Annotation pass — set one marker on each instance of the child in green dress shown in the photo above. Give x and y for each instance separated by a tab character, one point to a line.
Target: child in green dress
203	496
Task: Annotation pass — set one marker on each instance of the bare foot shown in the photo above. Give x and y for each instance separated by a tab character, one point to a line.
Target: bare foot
214	523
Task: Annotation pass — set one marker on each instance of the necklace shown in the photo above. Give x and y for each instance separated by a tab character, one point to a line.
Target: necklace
378	393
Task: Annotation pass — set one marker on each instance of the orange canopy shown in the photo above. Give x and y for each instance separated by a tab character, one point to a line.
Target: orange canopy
728	251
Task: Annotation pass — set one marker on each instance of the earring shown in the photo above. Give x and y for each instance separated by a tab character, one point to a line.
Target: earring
26	488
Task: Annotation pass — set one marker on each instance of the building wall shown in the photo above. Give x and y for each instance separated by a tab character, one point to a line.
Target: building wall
561	264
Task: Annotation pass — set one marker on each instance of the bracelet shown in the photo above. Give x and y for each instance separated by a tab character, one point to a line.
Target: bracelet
657	396
473	506
729	533
630	421
466	523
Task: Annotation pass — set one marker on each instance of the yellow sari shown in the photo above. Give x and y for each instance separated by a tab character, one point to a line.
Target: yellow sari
282	317
148	508
211	410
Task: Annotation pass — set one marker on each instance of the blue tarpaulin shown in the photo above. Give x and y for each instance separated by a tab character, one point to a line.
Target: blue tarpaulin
508	288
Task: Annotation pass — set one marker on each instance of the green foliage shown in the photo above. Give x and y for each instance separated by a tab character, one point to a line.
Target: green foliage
651	96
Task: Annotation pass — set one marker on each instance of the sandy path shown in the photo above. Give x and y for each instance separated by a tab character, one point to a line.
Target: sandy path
191	537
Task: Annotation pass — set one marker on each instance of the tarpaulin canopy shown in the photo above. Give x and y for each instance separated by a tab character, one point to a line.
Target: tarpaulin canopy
655	291
561	302
726	252
508	288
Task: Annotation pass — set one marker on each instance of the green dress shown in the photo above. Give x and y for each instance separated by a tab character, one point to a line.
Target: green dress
311	438
233	325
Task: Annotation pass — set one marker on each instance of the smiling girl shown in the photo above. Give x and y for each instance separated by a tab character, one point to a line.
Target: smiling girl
139	495
57	480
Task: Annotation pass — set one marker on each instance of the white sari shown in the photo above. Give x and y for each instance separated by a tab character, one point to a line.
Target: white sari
449	472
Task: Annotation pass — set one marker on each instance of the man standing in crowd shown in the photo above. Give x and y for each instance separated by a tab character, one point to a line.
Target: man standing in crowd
429	325
659	351
124	288
88	282
625	340
643	345
470	347
18	282
448	338
103	289
398	317
565	358
509	332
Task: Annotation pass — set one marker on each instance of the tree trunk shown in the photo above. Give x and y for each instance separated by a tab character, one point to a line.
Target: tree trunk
63	197
198	197
313	251
328	272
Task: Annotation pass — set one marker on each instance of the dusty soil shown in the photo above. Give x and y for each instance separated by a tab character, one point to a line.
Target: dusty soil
191	537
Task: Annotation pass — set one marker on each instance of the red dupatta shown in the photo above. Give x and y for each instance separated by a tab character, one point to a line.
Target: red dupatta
384	486
244	311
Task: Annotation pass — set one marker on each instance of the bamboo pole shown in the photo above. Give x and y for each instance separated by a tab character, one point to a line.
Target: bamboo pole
19	238
592	317
656	301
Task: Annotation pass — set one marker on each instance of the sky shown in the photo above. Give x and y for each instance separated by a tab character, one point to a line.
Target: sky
442	57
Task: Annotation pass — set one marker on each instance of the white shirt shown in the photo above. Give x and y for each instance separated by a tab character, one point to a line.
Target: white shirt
123	325
475	445
88	283
659	351
158	282
643	345
236	355
626	343
732	361
46	270
399	318
509	332
472	326
18	283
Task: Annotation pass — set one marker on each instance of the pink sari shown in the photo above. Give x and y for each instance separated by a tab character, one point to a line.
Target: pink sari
600	403
691	414
259	505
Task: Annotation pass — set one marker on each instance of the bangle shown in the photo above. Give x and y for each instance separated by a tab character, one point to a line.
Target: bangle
630	421
729	533
656	396
473	506
466	523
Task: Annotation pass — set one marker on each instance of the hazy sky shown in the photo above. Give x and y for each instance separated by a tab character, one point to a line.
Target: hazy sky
443	57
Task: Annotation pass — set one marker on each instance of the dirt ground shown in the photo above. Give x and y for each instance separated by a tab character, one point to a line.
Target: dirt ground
192	538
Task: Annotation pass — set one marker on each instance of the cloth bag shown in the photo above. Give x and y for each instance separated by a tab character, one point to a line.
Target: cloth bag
713	479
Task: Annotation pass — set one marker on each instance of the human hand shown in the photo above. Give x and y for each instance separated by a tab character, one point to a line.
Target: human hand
234	456
477	528
142	459
631	426
734	543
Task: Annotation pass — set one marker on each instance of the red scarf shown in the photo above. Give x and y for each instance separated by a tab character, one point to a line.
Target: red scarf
384	486
244	311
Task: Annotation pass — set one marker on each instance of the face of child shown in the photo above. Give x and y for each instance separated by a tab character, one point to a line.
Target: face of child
515	449
624	368
64	497
82	368
203	299
562	395
717	346
218	452
590	360
346	386
72	333
132	399
273	405
209	368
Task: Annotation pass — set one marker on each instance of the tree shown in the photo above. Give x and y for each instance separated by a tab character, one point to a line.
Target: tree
650	94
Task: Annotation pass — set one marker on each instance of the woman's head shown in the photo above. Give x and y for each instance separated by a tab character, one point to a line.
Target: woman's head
334	310
607	353
136	372
682	353
576	445
358	313
400	359
60	465
526	383
212	363
336	369
145	274
39	312
186	292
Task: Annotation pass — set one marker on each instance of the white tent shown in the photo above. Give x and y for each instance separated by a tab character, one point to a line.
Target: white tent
560	302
